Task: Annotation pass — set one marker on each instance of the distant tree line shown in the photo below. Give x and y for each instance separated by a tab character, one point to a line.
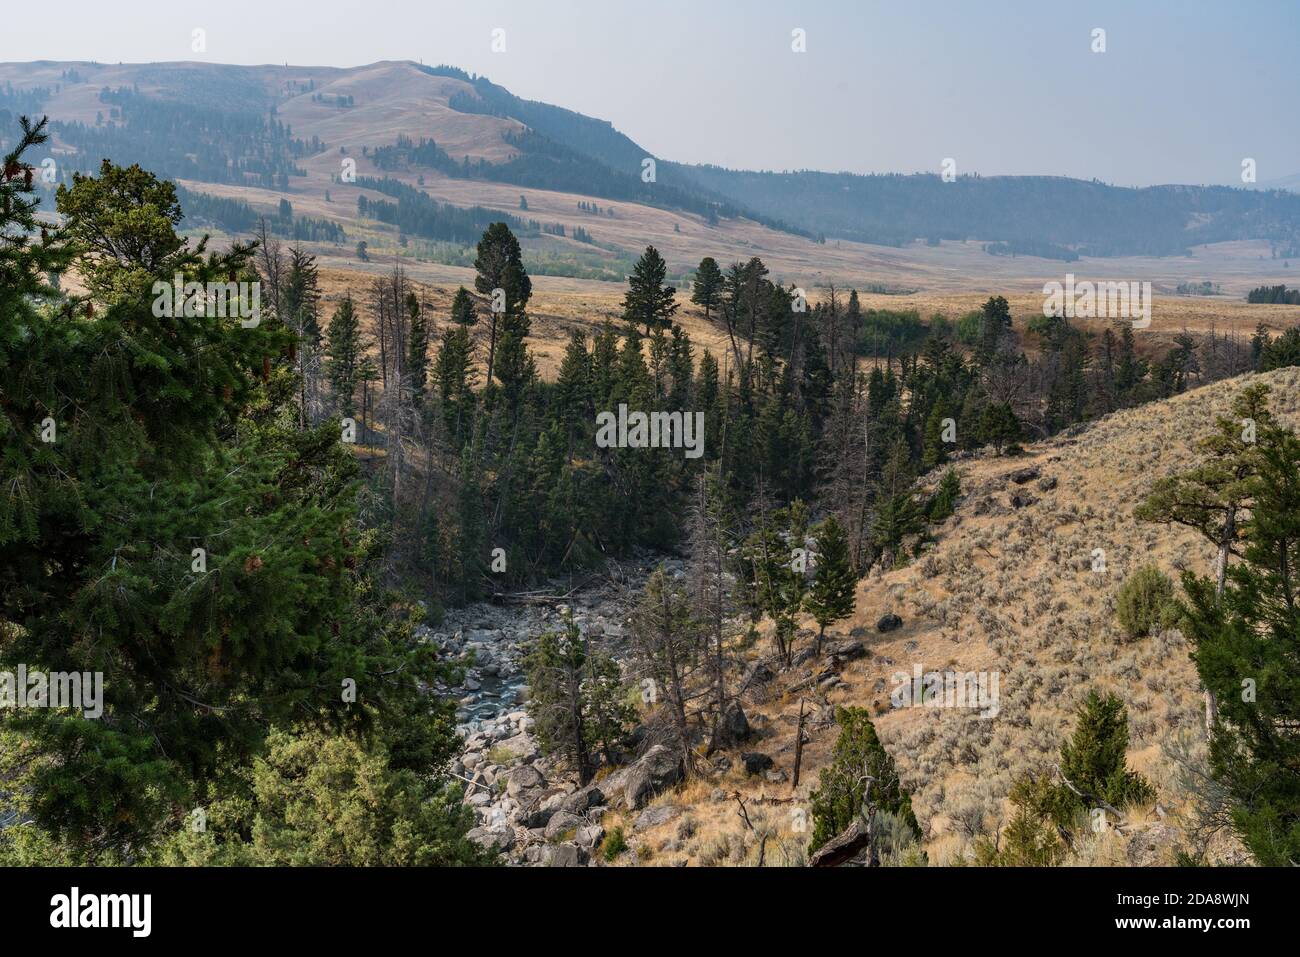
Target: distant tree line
1280	295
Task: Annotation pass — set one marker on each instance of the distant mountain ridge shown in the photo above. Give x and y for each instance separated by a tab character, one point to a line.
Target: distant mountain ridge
261	125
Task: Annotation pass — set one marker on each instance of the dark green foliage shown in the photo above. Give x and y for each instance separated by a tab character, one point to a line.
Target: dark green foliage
999	427
463	310
577	699
343	351
648	301
133	439
1092	778
707	290
831	598
944	501
318	800
417	214
1281	352
1245	648
1274	294
417	347
613	845
861	780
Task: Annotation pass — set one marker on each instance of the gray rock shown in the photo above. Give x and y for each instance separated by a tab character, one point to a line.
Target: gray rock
535	815
1027	474
560	823
589	836
657	769
525	778
756	762
653	817
521	746
733	726
890	622
581	801
563	855
846	651
759	674
500	838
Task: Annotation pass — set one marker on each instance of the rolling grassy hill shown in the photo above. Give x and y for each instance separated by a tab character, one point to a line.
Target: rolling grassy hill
290	130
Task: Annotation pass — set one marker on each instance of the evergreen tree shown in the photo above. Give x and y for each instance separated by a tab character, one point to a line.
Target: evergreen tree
1246	637
175	509
861	780
417	359
648	302
557	702
344	355
1130	370
321	800
666	646
999	427
707	290
573	389
463	310
897	512
936	451
831	598
1092	776
944	501
995	324
499	266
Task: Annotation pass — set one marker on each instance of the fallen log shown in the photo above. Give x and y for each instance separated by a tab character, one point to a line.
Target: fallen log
843	847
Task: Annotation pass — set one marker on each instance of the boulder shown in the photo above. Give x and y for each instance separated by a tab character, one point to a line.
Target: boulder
525	778
496	838
537	813
521	746
756	762
580	801
589	836
1027	474
733	726
657	769
654	816
846	651
562	822
759	674
889	623
563	855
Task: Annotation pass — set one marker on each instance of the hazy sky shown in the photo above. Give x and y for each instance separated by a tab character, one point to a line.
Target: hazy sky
1185	90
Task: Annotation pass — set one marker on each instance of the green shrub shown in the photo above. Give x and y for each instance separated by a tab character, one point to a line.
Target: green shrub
614	845
1146	602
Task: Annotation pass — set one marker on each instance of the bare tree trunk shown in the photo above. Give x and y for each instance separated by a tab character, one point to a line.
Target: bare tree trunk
798	746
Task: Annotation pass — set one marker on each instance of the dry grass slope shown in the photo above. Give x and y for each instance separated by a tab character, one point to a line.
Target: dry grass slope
1010	589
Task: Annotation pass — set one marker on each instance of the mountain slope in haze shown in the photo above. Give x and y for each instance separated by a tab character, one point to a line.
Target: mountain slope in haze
186	120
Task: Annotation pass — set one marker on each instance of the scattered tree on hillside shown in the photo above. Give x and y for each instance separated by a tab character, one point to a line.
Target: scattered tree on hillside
648	301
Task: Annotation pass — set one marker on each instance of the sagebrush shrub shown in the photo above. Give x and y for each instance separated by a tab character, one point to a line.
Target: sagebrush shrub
1146	602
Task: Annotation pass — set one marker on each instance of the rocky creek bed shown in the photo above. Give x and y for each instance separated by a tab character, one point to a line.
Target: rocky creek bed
528	806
